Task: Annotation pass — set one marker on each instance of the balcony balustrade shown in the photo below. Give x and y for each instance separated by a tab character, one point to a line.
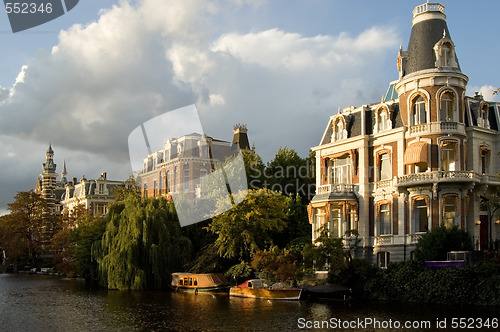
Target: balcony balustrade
438	176
443	127
336	189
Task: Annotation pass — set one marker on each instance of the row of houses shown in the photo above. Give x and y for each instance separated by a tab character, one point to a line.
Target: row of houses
180	166
426	155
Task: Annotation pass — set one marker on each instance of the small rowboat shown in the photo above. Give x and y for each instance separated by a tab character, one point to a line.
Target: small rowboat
199	282
255	288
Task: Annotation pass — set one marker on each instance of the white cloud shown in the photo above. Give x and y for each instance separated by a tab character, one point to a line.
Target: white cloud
104	79
487	91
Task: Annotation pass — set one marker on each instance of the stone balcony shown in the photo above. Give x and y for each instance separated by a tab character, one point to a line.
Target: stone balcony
444	127
336	189
437	177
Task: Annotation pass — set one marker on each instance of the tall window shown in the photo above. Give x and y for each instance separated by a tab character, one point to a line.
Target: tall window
336	216
482	119
320	220
339	132
447	111
168	181
384	219
420	216
384	167
175	180
419	112
383	259
485	160
203	174
449	211
446	53
155	188
145	190
382	121
185	180
448	156
352	222
341	170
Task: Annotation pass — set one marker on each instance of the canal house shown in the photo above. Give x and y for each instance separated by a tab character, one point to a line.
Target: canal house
425	155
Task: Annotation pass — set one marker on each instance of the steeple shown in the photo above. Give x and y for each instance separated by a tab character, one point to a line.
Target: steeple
49	166
64	173
48	183
430	46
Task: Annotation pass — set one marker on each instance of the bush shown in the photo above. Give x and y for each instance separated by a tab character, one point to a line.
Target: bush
411	282
436	243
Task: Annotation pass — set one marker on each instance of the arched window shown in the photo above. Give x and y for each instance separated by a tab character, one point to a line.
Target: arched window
384	167
444	51
447	107
339	130
384	222
420	218
485	159
419	111
449	156
382	120
482	119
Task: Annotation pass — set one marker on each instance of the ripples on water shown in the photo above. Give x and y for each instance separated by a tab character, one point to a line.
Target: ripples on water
47	303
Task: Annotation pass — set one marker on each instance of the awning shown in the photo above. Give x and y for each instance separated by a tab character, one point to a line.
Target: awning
417	153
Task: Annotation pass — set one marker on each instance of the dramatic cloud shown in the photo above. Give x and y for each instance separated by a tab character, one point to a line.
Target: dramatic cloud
137	61
487	91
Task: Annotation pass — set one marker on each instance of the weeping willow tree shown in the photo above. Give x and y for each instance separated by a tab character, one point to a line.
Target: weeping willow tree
141	246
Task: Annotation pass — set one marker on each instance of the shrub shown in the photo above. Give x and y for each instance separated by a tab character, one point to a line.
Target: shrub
436	243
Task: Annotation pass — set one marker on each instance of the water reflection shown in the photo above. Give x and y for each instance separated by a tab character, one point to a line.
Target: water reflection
54	304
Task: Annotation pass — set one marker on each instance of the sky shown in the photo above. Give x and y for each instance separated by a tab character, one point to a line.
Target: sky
84	81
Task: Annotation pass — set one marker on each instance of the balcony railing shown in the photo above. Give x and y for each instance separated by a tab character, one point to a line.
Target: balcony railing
383	184
387	239
438	176
442	127
336	189
428	7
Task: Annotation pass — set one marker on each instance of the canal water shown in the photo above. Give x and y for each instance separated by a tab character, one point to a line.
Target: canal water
48	303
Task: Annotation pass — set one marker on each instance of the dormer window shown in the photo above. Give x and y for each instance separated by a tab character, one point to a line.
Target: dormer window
382	120
419	111
444	51
482	119
339	130
447	107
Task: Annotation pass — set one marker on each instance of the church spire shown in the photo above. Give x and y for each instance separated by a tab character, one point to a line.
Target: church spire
64	173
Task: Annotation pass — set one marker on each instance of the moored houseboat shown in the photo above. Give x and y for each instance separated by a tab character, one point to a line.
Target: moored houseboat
255	288
199	282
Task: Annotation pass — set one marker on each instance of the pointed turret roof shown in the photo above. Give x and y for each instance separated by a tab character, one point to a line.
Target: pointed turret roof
429	28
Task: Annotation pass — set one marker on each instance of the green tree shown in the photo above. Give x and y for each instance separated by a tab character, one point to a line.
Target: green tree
63	260
25	230
249	226
327	253
290	174
277	265
437	242
141	246
254	169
